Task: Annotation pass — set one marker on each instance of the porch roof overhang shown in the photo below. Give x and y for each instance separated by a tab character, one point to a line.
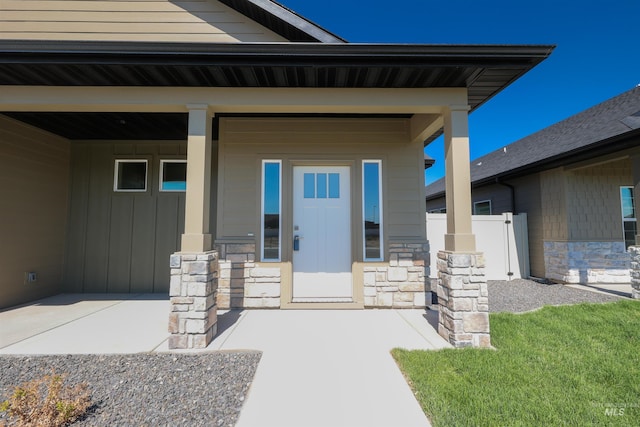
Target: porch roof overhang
332	69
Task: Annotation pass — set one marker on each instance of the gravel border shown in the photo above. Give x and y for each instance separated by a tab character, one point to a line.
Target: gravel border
520	295
147	389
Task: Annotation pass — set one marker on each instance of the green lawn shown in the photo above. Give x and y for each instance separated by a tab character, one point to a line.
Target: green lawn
571	365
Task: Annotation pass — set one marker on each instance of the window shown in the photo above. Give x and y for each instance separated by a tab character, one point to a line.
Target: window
317	184
173	175
271	206
482	208
629	224
372	210
130	175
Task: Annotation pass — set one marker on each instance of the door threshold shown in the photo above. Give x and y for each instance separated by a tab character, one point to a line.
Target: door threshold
319	299
296	305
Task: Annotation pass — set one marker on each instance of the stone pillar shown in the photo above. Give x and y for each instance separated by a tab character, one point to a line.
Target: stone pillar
635	271
463	300
194	283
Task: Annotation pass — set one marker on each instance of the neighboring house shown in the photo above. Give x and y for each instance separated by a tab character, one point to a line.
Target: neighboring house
131	131
577	180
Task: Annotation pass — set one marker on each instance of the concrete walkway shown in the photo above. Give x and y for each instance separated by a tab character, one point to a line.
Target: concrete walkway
319	367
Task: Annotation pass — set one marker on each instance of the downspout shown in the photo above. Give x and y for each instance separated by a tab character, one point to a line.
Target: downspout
513	194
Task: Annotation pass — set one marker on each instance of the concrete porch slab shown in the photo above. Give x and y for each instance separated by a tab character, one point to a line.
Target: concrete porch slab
319	367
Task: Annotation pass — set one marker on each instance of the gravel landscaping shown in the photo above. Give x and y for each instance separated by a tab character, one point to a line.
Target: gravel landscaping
147	389
520	295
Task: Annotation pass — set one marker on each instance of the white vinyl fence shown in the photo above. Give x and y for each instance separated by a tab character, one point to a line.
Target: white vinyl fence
502	238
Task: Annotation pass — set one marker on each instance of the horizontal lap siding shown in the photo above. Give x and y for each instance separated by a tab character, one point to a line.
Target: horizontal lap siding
34	185
121	242
151	20
244	143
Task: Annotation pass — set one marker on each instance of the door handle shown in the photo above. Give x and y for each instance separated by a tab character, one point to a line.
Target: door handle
296	243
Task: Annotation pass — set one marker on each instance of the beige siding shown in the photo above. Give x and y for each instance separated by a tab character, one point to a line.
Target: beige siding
143	20
554	204
121	242
34	183
593	201
244	143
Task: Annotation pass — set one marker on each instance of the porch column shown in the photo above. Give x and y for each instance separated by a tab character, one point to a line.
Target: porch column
194	270
459	237
462	288
196	237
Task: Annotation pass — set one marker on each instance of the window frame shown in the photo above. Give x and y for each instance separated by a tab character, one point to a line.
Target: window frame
116	170
482	201
160	180
624	219
262	210
380	212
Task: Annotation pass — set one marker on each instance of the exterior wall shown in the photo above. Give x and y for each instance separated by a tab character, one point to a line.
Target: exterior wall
590	247
593	201
152	20
553	195
245	142
34	187
120	242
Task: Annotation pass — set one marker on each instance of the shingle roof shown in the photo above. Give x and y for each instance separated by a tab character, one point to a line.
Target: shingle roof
588	129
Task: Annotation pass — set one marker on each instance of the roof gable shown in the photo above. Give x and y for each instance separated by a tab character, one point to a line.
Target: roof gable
590	128
209	21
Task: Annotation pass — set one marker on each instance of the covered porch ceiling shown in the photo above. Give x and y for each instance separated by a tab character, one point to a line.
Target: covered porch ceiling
482	70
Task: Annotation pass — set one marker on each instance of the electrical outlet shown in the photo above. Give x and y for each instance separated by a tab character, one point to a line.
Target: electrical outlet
32	277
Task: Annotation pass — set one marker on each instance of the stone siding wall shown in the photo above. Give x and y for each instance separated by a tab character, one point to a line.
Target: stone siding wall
243	283
192	291
634	252
587	262
463	299
402	283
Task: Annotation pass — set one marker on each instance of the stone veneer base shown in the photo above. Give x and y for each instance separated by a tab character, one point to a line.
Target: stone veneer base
586	262
192	291
463	299
402	283
634	252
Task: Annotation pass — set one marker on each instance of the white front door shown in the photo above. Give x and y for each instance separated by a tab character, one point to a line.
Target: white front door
321	234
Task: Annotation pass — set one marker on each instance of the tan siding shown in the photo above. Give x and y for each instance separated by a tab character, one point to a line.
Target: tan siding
151	20
245	142
554	201
121	242
34	186
593	208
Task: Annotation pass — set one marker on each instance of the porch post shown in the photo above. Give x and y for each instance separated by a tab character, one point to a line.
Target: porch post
462	289
196	237
194	270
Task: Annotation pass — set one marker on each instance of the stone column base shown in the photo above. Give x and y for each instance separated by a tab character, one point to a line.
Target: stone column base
634	251
194	283
463	299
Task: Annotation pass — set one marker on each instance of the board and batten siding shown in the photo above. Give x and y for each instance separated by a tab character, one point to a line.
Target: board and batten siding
118	241
143	20
245	142
34	187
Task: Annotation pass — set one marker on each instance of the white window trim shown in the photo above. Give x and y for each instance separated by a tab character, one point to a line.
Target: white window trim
483	201
115	175
634	219
380	212
262	188
162	162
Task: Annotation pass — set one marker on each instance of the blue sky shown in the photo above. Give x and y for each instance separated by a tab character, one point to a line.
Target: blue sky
597	55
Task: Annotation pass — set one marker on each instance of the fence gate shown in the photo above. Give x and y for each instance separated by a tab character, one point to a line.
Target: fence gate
502	238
